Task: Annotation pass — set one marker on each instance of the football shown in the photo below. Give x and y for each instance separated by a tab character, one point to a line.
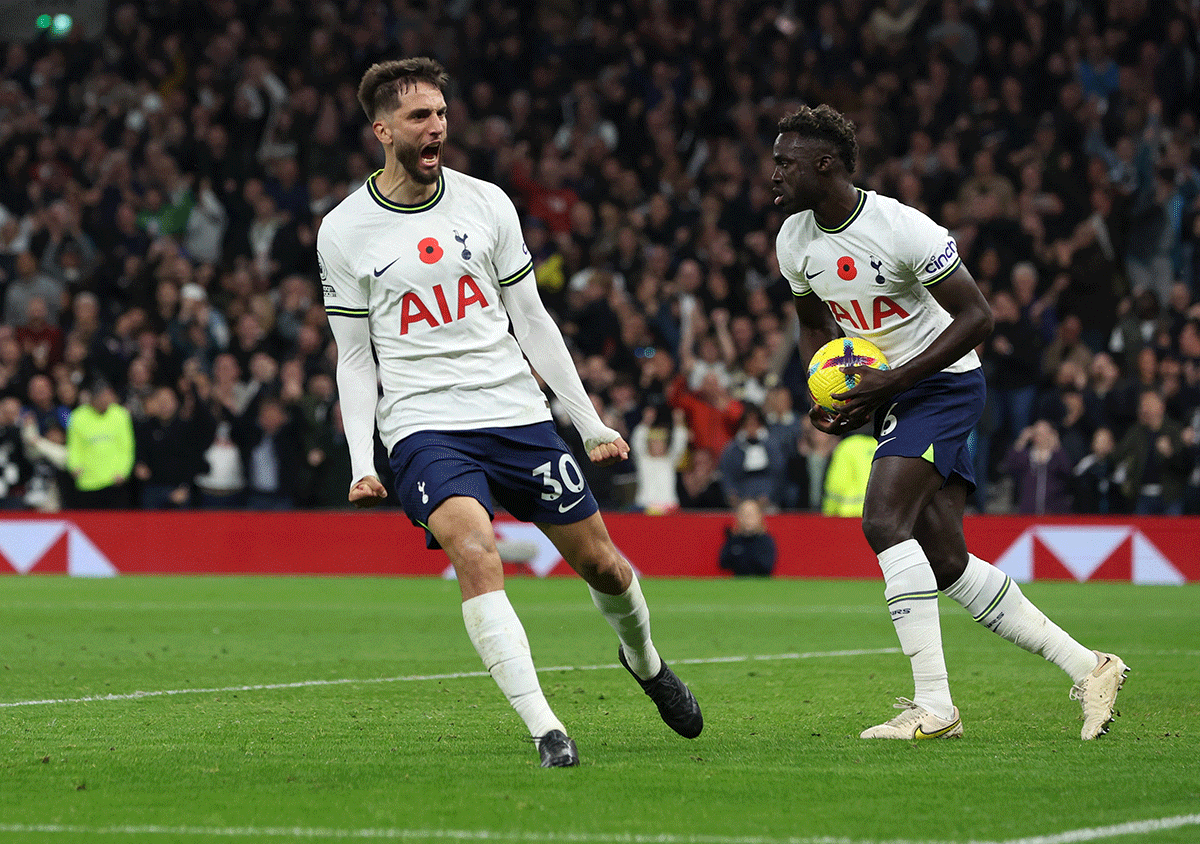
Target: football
825	375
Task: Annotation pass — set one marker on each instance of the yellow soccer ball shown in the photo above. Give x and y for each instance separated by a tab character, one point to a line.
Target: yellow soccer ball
825	375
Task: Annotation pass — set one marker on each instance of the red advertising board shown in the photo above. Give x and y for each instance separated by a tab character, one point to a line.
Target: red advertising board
1141	550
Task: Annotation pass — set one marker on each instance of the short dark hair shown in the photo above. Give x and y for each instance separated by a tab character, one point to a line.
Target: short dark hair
381	85
825	123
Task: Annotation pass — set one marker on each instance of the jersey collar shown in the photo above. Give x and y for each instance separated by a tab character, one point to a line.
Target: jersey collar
854	215
386	203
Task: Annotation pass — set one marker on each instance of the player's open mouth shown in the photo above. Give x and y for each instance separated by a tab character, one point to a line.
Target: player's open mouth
430	153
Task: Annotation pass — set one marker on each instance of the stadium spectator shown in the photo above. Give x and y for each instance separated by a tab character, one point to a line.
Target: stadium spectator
222	484
807	466
1135	329
28	283
15	469
40	339
46	451
1042	470
1013	354
1094	489
656	451
748	550
1066	346
42	407
699	486
273	457
752	465
100	450
846	476
168	455
713	415
1152	460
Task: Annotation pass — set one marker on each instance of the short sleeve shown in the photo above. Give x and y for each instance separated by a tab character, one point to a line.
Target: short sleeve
927	249
343	293
511	259
789	265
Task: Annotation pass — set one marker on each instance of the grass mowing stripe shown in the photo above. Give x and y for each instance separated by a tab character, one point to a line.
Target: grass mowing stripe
444	834
349	681
1069	837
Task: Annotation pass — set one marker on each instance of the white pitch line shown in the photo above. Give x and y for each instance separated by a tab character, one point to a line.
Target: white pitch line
1074	836
1098	833
411	678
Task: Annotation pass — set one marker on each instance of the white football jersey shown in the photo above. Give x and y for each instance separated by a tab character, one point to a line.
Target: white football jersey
428	279
873	272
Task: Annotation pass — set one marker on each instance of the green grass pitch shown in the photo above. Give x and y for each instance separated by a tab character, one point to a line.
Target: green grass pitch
307	709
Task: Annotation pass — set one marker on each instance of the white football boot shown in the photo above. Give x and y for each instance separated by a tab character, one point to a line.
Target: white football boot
915	723
1097	694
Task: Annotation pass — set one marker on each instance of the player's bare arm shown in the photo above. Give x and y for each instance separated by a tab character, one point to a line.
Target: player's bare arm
962	299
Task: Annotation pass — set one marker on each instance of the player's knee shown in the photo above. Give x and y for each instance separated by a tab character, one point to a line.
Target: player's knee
601	565
882	530
473	549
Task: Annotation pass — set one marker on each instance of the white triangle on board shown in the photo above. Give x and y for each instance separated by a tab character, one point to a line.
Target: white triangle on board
1082	548
84	559
1151	566
24	543
1017	559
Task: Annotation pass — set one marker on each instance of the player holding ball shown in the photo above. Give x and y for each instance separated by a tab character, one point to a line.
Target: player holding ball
868	266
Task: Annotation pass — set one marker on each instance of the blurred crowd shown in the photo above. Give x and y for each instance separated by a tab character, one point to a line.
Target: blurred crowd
164	342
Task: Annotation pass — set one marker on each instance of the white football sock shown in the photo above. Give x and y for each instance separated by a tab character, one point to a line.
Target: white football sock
500	640
911	592
996	602
630	617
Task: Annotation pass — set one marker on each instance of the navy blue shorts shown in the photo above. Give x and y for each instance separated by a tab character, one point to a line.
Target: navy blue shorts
527	470
933	420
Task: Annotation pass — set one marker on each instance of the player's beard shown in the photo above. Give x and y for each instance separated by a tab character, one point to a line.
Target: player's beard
409	157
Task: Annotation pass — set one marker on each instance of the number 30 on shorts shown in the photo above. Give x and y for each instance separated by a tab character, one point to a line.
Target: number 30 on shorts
568	471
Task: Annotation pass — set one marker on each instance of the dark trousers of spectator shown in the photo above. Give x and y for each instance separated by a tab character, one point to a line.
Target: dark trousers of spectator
1156	505
269	501
1191	500
115	497
158	497
223	500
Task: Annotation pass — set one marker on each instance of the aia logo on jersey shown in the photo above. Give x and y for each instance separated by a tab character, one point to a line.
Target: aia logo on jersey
413	309
943	259
854	314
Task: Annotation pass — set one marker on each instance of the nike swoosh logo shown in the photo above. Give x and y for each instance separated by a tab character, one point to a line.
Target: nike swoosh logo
378	273
563	509
921	734
888	440
807	274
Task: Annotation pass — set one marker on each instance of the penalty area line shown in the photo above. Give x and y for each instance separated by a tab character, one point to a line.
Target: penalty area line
1075	836
413	678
